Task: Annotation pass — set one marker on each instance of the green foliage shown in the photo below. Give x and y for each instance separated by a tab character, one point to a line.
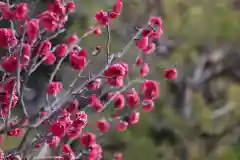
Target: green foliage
140	149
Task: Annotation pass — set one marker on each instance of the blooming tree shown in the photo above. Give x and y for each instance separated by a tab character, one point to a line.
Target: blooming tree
28	47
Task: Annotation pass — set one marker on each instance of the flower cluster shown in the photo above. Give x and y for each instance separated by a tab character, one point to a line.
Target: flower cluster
8	93
66	116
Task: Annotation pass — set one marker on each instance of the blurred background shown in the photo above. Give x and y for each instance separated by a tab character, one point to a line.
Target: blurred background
197	116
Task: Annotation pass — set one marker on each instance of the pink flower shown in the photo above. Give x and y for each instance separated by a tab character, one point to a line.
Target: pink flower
38	145
119	101
103	125
113	15
69	156
142	43
83	52
7	38
150	48
54	88
73	132
144	70
95	152
14	132
146	32
121	126
102	17
6	100
157	34
116	70
71	40
117	156
150	89
58	129
44	48
132	98
6	12
61	50
147	105
77	62
9	64
139	61
170	73
4	112
70	6
94	85
8	84
58	8
73	106
133	118
81	115
117	7
87	139
95	103
97	31
21	11
49	59
153	20
49	20
53	142
79	123
32	29
66	148
116	81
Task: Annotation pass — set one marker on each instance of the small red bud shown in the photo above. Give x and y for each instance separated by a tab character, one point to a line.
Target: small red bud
133	118
144	70
61	50
97	31
122	126
21	11
147	105
72	39
139	61
170	73
103	126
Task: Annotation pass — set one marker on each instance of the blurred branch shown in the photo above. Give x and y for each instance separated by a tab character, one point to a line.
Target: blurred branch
161	126
214	139
223	110
187	107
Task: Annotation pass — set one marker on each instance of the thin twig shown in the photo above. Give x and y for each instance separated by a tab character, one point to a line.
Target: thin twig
34	68
10	104
56	34
55	72
124	50
26	77
108	41
23	141
57	68
77	78
88	33
8	2
19	63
